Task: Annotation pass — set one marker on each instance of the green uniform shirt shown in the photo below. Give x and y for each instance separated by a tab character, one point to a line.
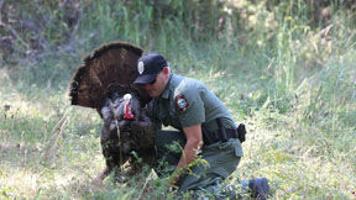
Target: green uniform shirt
186	102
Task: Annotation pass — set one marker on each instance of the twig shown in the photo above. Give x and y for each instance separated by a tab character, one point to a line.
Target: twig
152	176
56	133
120	146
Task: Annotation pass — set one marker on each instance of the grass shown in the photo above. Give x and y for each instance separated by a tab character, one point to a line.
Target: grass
293	86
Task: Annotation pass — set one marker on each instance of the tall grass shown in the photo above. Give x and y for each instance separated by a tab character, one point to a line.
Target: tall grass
288	75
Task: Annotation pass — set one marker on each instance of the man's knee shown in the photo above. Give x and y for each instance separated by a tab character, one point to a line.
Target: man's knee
169	141
169	146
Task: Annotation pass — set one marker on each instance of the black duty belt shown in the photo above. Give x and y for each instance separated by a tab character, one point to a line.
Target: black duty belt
223	134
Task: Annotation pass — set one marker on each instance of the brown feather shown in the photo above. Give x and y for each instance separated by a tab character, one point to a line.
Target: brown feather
108	67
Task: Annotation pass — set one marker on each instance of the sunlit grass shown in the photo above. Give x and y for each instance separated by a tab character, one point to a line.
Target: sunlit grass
292	84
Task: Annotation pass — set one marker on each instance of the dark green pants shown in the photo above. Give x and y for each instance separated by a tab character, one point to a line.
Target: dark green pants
217	162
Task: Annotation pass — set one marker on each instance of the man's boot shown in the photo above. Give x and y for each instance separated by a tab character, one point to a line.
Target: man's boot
258	187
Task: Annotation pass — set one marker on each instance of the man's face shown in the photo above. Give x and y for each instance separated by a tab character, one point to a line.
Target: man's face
156	88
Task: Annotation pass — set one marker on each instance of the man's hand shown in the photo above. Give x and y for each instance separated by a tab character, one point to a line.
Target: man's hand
175	177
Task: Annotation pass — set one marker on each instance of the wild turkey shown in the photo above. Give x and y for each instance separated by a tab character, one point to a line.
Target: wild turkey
104	82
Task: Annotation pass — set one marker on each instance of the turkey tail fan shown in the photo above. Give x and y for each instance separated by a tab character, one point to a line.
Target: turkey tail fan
110	68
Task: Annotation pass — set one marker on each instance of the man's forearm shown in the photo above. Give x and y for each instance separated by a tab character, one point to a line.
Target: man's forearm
189	153
191	149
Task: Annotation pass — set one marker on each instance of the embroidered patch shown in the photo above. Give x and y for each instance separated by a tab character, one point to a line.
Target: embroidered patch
140	67
181	103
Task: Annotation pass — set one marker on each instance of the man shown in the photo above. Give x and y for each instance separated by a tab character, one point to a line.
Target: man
206	128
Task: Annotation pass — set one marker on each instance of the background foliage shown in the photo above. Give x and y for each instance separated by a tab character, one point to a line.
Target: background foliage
286	68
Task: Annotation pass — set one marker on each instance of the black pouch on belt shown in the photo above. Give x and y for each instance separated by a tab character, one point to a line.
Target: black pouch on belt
241	132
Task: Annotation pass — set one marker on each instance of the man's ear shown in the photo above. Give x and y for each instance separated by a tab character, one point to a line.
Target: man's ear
166	70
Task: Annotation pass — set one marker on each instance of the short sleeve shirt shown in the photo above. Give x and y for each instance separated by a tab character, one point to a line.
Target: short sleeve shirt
186	102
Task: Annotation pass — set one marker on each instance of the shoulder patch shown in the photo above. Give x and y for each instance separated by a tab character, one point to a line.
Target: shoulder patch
181	103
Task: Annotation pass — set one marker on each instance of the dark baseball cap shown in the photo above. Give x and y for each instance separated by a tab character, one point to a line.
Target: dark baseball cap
148	67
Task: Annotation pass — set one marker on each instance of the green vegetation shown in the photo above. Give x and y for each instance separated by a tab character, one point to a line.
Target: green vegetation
285	68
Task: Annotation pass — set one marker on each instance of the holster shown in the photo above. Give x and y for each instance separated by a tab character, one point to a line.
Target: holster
223	134
241	132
